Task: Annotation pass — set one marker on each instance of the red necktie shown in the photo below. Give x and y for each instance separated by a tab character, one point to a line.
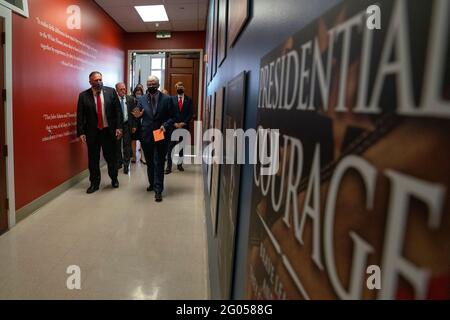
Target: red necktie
99	112
180	103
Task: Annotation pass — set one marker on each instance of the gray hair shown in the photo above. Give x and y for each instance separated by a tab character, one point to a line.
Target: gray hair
154	78
119	83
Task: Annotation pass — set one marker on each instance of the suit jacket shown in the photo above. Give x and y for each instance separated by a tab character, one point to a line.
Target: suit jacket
87	112
186	113
165	116
131	105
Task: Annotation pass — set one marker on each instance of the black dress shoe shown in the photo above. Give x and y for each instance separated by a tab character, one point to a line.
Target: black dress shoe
125	170
158	197
115	183
91	189
150	188
167	171
180	167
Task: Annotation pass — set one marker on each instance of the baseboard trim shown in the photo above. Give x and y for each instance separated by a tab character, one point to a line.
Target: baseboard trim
32	207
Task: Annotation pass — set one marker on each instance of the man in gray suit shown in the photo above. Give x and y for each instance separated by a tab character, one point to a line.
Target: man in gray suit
124	151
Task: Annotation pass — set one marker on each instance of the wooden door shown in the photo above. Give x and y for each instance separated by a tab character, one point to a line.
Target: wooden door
184	67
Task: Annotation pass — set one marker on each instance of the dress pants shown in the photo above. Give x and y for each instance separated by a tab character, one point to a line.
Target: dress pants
106	141
155	153
172	145
124	151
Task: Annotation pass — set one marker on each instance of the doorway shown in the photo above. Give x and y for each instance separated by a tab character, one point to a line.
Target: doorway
172	66
144	64
184	67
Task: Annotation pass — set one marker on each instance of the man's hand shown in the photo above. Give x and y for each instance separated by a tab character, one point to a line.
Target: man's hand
133	130
177	125
162	129
118	134
83	138
137	113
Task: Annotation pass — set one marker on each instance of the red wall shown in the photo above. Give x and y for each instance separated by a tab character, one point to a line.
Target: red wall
44	86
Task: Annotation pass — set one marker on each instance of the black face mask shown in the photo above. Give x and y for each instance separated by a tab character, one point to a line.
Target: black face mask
180	91
152	90
98	86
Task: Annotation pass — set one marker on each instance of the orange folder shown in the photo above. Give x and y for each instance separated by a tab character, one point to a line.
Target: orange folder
158	135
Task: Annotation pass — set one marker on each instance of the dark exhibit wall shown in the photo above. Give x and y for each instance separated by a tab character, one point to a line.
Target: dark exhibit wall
265	28
54	50
359	206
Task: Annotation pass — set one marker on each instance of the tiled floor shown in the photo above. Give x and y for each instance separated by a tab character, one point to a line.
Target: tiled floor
126	245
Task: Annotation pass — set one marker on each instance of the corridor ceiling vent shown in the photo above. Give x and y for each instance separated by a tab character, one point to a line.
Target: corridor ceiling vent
152	13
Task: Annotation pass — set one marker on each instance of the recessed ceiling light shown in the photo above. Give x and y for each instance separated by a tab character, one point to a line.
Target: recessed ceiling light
152	13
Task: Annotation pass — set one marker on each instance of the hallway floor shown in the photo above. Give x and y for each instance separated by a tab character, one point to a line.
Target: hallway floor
126	245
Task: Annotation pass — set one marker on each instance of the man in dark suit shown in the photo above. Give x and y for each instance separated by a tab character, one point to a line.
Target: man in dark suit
99	124
127	105
185	109
158	116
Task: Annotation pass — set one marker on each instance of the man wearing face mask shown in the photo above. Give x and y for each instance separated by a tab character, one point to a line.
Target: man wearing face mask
99	125
184	107
157	116
127	103
138	92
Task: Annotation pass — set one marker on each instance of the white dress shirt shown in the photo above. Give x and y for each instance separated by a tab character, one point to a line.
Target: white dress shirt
124	108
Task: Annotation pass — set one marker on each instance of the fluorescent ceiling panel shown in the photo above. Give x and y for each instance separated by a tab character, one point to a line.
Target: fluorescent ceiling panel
152	13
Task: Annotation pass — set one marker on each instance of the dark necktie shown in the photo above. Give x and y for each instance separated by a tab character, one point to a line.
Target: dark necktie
154	104
100	124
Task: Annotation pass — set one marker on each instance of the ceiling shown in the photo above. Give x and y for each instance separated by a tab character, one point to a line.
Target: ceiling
184	15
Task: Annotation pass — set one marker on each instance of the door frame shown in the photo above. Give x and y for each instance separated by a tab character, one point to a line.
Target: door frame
7	16
200	67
